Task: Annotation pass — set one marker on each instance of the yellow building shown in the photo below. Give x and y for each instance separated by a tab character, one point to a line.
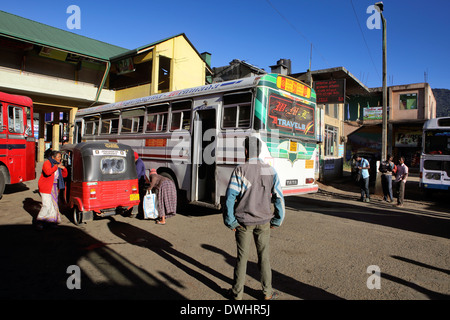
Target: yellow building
62	72
167	65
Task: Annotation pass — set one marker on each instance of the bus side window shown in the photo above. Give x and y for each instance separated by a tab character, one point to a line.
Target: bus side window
132	121
91	125
157	118
237	110
181	115
110	123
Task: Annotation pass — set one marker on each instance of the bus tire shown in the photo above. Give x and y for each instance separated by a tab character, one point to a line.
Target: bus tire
3	177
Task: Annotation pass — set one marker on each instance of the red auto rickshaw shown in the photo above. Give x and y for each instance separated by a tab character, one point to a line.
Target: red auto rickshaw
102	180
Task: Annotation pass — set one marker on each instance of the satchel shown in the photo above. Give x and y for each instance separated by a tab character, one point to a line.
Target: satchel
150	206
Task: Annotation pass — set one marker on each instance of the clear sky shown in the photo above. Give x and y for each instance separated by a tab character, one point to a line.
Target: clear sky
264	31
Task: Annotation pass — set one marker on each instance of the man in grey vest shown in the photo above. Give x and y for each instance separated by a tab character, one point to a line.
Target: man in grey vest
248	212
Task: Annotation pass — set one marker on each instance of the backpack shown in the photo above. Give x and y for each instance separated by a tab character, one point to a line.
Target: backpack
383	167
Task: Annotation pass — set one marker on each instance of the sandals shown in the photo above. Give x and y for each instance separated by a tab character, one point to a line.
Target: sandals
160	222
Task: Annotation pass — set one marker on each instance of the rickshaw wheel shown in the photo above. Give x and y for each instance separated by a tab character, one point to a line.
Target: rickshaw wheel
77	216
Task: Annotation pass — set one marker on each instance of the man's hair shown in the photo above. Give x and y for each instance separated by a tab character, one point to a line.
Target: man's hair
54	153
253	147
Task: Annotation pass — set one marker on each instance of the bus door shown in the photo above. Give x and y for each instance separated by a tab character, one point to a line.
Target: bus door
203	184
16	143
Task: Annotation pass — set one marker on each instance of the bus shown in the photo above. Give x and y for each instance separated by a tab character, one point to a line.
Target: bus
17	142
435	156
195	136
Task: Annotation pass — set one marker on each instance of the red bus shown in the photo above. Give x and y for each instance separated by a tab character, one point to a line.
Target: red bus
17	142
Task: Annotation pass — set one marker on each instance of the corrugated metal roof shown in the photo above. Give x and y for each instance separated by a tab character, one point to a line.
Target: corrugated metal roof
35	32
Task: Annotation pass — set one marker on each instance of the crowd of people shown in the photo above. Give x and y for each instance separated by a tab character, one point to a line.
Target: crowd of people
393	178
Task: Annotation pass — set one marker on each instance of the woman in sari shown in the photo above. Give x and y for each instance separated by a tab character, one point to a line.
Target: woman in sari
50	182
167	195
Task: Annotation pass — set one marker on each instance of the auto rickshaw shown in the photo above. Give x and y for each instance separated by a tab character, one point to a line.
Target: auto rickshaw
102	180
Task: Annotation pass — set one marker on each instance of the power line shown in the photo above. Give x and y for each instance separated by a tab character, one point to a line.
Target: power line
364	38
298	31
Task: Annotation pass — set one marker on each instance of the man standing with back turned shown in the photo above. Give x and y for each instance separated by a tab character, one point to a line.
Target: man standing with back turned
252	186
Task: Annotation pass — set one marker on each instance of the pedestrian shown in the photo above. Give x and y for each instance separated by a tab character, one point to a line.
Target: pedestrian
363	167
166	193
49	184
400	180
252	185
142	178
386	168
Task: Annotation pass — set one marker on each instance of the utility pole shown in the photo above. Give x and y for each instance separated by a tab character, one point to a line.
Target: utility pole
379	7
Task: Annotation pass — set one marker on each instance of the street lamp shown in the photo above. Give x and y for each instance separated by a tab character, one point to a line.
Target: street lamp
379	7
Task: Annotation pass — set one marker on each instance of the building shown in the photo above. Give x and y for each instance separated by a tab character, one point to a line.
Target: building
235	70
340	84
409	106
62	72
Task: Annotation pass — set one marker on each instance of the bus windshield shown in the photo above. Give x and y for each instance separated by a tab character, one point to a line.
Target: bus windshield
437	142
286	114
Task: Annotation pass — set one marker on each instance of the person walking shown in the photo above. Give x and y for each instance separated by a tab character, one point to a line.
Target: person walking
400	179
49	184
363	166
167	195
142	178
386	168
253	185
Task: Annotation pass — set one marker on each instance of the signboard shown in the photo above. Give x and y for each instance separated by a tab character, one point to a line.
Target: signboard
291	116
330	91
293	86
374	113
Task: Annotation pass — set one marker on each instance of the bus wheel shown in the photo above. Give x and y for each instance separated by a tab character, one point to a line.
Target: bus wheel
77	216
2	182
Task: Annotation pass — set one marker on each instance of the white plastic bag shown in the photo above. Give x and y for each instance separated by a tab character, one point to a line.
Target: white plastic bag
150	206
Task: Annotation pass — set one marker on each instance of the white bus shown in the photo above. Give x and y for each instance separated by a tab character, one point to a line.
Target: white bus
435	157
195	136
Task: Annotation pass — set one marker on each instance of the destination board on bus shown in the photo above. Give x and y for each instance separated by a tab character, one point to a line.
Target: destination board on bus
293	86
289	115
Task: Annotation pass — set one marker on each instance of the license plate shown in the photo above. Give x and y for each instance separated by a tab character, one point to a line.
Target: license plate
134	197
291	182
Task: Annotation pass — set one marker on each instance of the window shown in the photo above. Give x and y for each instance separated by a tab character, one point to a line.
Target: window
181	115
132	121
157	118
15	119
331	135
237	110
110	123
91	125
408	101
112	165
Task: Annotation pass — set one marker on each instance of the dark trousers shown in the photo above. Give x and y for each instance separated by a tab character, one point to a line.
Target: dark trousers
386	183
364	184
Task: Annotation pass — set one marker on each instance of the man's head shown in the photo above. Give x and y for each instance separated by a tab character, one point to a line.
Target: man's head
252	147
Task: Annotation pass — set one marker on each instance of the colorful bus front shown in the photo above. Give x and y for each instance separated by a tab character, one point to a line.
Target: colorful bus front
285	109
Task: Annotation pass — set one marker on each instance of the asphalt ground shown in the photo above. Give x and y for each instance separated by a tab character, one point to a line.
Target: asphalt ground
323	251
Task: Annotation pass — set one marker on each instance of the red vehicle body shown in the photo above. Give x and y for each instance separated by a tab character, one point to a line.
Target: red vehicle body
102	180
17	142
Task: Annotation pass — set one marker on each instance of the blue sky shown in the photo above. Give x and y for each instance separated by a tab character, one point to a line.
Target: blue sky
264	31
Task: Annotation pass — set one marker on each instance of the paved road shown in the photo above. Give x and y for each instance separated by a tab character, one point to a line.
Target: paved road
322	251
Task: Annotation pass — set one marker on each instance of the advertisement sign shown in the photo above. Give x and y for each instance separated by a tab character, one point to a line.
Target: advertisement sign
330	91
